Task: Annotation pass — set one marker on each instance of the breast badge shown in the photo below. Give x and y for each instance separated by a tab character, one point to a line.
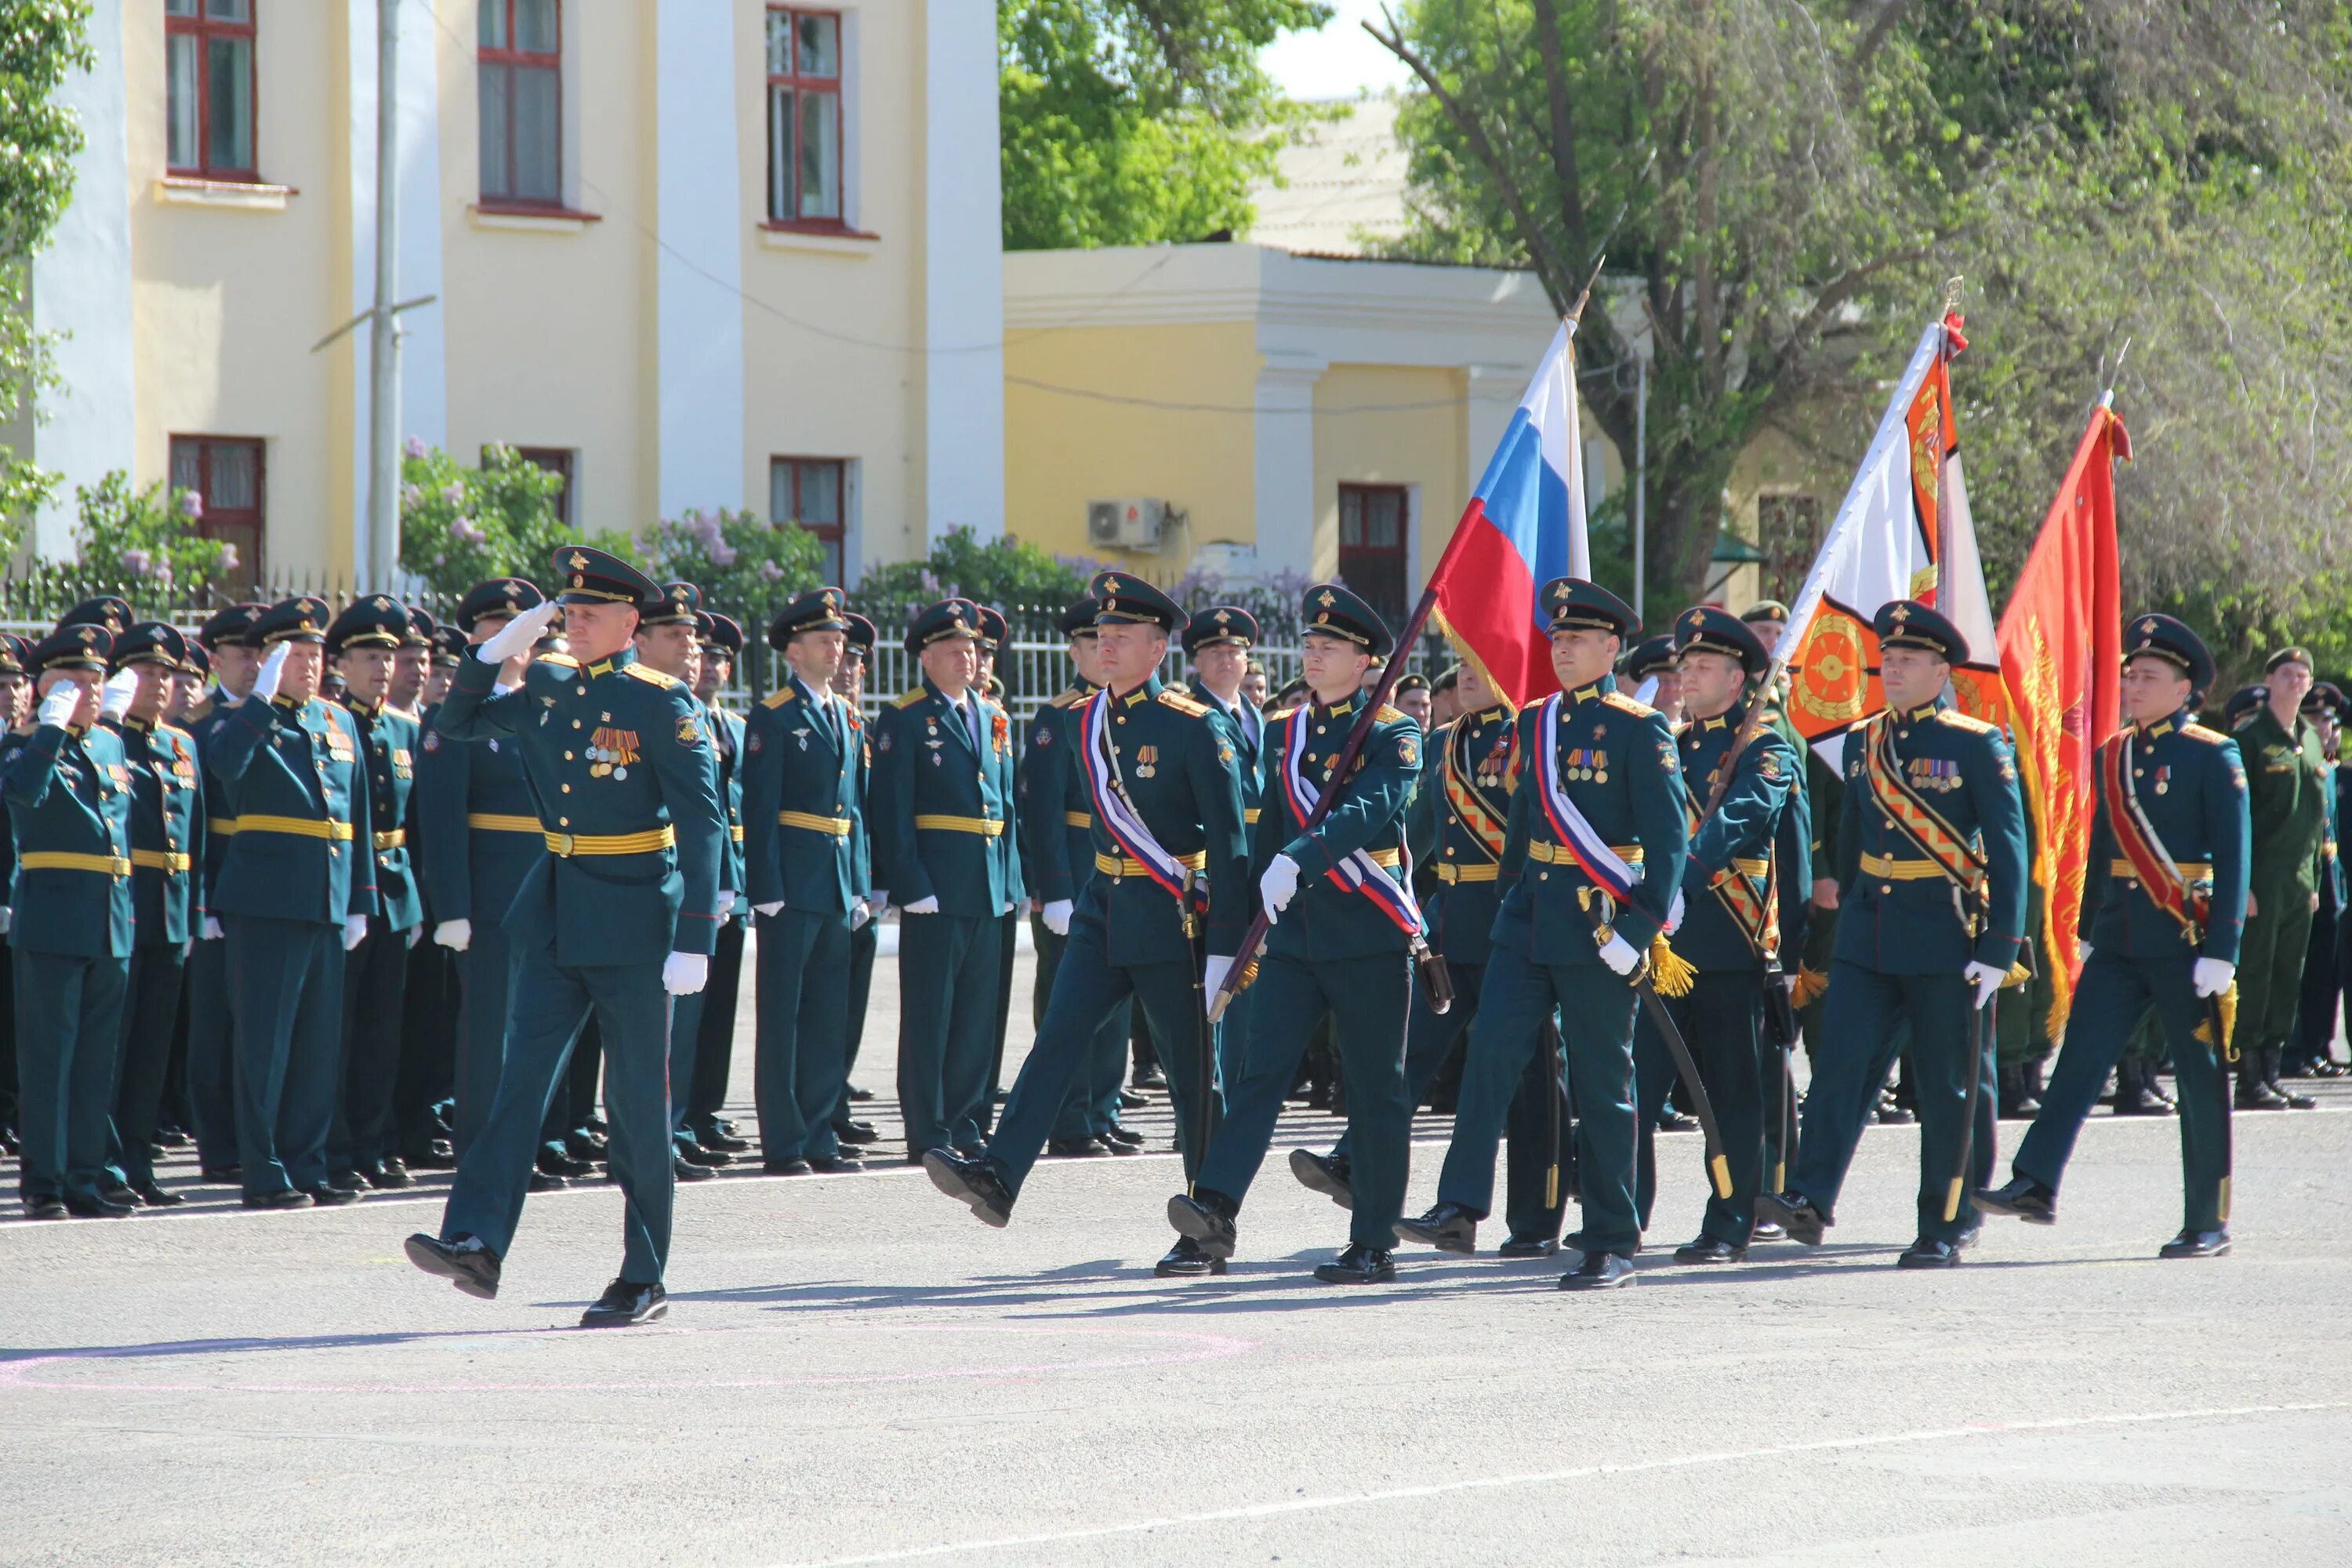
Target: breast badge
610	750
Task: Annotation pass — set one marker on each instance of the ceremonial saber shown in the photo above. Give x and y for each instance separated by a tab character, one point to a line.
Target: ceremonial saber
1206	1031
1981	1040
2225	1056
1718	1165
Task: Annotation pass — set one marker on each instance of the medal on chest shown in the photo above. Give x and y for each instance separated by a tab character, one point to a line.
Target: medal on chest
1586	762
1147	762
610	750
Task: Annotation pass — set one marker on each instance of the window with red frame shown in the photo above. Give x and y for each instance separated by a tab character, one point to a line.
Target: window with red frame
208	89
809	491
804	116
556	460
226	473
521	66
1372	546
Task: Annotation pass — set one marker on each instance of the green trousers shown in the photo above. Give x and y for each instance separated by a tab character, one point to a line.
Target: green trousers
2269	967
68	1028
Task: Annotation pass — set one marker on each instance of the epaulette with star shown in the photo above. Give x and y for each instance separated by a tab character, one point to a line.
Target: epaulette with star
909	698
777	698
651	676
1279	715
563	660
1064	699
1960	720
1624	704
2199	732
1389	714
1172	698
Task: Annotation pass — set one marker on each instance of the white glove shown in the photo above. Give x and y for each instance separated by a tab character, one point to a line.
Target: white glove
354	931
272	670
2082	950
57	709
114	697
186	948
415	933
930	906
1621	956
455	935
2212	975
1007	909
211	929
725	905
1674	913
1278	886
1212	977
1056	916
1986	979
860	912
8	916
684	973
518	634
775	909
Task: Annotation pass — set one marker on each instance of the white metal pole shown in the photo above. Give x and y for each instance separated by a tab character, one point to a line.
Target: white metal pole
383	335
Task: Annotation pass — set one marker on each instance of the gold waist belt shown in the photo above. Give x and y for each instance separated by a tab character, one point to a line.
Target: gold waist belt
1747	867
987	827
836	825
227	825
1078	818
1250	816
1468	873
735	831
395	839
2190	871
1559	854
650	842
1120	866
66	861
299	826
160	859
1387	858
1887	868
496	822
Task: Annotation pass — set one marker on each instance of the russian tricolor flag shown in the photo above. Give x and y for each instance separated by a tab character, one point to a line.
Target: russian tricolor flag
1524	526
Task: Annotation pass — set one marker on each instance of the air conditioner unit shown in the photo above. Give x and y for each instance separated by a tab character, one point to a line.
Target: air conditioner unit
1126	524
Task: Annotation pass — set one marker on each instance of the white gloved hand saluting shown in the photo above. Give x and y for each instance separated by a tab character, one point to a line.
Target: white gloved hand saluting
114	697
354	931
1056	915
1620	956
930	906
57	709
272	670
2211	976
684	973
455	935
1986	979
520	635
1278	886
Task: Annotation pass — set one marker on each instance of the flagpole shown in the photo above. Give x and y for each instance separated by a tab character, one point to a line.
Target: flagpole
1344	766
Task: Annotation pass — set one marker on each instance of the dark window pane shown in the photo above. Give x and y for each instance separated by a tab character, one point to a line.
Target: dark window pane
539	135
183	99
780	44
228	10
820	154
494	131
820	500
179	7
231	106
232	479
820	45
188	462
780	152
492	32
534	25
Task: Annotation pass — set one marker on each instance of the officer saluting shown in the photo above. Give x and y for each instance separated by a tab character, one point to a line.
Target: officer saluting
800	809
296	890
1161	775
1590	867
1932	908
619	915
2163	907
69	800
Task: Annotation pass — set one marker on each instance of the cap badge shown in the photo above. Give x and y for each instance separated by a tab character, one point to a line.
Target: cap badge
1900	614
1326	599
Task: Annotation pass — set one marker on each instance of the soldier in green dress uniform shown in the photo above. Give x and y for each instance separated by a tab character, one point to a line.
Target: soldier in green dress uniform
15	694
2286	787
227	638
711	1051
849	685
1218	641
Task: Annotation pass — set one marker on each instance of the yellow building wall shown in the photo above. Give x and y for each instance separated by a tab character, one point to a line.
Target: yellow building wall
1773	464
1391	426
548	334
1063	450
226	303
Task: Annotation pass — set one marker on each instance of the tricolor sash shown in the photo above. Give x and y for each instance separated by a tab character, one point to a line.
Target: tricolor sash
1600	864
1488	822
1358	871
1893	795
1117	813
2149	861
1757	914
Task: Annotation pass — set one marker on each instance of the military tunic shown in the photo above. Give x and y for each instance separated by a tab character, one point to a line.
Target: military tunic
212	1057
167	835
375	973
2286	787
714	1044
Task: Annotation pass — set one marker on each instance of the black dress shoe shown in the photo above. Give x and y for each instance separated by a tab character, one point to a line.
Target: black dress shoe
696	1154
560	1162
2253	1094
2196	1244
221	1176
1708	1249
92	1206
835	1165
1447	1227
1150	1077
1672	1121
790	1165
1328	1175
2024	1198
1599	1271
1111	1145
1359	1265
1766	1232
974	1182
623	1304
393	1174
1130	1100
1186	1260
119	1193
1794	1211
976	1149
847	1132
1970	1237
859	1096
710	1137
1122	1137
155	1198
1087	1148
283	1198
540	1182
45	1209
1926	1254
1207	1219
2295	1100
2327	1067
466	1262
332	1196
433	1156
686	1172
1893	1115
583	1144
1528	1246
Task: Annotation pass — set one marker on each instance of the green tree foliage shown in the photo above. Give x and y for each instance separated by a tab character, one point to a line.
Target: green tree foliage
745	565
1004	572
143	540
40	42
1137	121
459	526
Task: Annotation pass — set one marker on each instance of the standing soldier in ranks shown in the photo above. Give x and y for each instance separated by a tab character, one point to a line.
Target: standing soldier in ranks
941	846
364	643
849	685
404	692
478	813
1345	928
1729	919
1163	777
69	797
714	1041
994	632
2286	787
618	915
433	1013
1218	641
800	809
1653	662
2311	1052
15	688
295	892
1590	864
2163	909
688	1018
227	637
1413	698
1057	859
166	840
1932	889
